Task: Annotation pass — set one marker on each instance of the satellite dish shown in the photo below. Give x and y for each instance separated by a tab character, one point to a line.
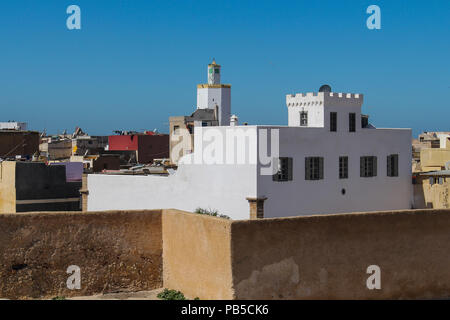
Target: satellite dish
325	88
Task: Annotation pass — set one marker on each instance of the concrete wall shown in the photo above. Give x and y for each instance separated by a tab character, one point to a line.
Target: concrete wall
197	255
326	257
116	251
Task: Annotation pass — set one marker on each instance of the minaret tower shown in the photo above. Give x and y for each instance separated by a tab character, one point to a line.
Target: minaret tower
213	73
215	95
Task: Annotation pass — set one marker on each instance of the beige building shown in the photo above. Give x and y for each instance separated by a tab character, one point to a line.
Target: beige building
431	171
182	131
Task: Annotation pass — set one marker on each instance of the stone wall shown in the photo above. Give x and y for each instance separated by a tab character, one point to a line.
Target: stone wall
309	257
326	257
116	251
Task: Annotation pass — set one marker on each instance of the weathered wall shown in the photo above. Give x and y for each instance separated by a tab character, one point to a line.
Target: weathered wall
326	257
24	143
7	187
197	255
116	251
312	257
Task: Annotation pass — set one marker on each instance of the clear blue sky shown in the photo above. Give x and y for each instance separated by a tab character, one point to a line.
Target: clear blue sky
135	63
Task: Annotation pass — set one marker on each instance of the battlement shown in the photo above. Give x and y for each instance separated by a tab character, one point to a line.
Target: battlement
320	98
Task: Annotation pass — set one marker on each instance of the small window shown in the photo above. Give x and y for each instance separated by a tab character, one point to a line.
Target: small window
313	168
284	172
352	122
392	165
333	121
368	166
217	70
303	118
175	128
343	167
204	124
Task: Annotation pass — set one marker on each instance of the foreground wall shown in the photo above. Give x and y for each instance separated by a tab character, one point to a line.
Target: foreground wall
197	255
311	257
326	257
116	251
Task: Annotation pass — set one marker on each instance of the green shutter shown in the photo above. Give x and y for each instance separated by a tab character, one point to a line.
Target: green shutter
374	166
320	168
396	165
307	170
361	167
290	169
389	166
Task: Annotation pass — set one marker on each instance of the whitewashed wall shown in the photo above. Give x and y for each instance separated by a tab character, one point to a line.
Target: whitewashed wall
225	186
303	197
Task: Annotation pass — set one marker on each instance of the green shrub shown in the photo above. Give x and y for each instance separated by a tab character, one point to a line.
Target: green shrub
59	298
211	212
167	294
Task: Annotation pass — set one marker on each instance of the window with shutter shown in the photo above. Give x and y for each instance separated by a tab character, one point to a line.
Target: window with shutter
314	168
368	166
303	118
392	165
343	167
285	171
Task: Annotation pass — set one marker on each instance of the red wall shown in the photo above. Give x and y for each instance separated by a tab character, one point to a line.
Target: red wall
123	143
148	146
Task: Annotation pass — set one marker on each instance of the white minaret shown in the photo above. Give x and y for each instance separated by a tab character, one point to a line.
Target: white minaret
215	95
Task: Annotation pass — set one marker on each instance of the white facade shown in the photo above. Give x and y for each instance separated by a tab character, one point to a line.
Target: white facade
10	125
215	95
211	178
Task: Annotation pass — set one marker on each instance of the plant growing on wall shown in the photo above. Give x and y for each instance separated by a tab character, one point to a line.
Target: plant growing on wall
210	212
167	294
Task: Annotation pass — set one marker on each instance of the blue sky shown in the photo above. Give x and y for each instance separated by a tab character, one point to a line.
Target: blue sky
135	63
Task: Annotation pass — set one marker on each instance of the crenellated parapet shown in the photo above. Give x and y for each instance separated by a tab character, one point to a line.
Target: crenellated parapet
324	98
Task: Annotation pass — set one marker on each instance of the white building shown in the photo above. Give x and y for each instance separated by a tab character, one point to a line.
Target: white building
13	125
327	162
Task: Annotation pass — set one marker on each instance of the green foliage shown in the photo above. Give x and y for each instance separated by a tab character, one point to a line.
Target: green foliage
171	295
211	212
59	298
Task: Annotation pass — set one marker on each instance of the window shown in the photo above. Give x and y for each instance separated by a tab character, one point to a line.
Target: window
175	128
204	124
313	168
303	118
343	167
352	122
392	165
368	166
284	172
333	121
217	70
431	181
